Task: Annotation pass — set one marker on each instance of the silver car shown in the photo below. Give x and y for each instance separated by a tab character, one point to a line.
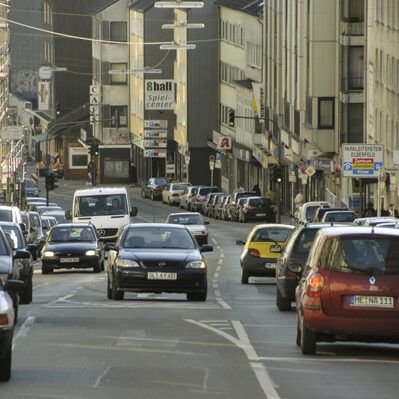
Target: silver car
194	222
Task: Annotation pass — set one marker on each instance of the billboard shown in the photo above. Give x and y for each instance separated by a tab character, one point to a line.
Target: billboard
159	94
362	160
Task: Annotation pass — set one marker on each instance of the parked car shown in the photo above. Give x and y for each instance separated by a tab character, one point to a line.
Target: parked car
10	214
320	212
73	246
194	222
186	196
153	188
231	211
225	208
157	257
41	237
262	249
306	211
235	211
349	288
375	220
339	216
208	203
258	209
48	222
199	195
30	231
17	241
31	188
43	208
59	215
294	254
7	326
31	200
172	191
218	206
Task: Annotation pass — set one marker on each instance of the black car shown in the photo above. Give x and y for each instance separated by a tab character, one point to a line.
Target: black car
257	208
157	257
294	254
17	241
153	188
73	246
9	266
231	211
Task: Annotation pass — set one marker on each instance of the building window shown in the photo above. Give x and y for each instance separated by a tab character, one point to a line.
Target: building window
78	158
118	31
119	116
118	78
326	113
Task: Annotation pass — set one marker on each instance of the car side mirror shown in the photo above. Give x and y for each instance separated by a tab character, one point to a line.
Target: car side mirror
134	211
275	249
14	285
32	248
110	246
23	227
68	215
22	254
206	248
206	222
239	242
295	268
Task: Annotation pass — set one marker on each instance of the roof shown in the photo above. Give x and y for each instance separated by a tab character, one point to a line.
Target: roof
274	225
102	190
359	230
141	5
99	6
252	7
165	225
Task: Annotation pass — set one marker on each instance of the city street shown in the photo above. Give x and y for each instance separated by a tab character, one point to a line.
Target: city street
72	342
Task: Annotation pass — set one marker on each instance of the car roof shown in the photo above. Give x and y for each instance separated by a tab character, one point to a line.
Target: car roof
273	225
166	225
184	214
102	190
343	211
9	224
359	230
75	225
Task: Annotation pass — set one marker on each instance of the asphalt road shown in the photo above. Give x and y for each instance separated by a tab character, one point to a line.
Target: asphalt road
72	342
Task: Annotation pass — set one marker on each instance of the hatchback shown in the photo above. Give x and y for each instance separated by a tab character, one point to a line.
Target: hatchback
153	188
258	209
339	216
262	249
199	195
350	287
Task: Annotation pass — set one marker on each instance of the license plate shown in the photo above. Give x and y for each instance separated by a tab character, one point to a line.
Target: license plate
161	276
270	265
372	301
261	214
69	260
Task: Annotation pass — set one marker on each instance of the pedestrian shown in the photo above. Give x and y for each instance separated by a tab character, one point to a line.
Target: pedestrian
238	189
132	175
271	195
256	189
90	170
369	211
298	199
392	211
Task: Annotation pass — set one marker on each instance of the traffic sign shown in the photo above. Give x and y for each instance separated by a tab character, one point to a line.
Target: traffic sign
187	153
34	177
310	171
211	165
211	158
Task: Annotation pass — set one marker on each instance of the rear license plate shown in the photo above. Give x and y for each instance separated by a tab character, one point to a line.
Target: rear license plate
372	301
261	214
69	260
270	265
161	276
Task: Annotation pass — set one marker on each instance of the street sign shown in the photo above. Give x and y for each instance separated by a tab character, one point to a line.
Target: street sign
11	132
211	158
155	153
155	134
187	153
155	143
292	178
310	171
170	168
34	177
218	156
362	160
211	165
292	167
155	124
218	164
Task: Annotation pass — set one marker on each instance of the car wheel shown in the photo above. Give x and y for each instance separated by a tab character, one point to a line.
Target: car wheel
5	366
244	277
109	290
97	268
308	340
152	196
143	193
283	304
117	295
26	296
46	270
298	332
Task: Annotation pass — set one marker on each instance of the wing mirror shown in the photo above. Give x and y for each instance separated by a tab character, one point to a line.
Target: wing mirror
206	222
295	268
22	254
110	246
206	248
14	285
275	249
23	228
134	211
68	215
239	242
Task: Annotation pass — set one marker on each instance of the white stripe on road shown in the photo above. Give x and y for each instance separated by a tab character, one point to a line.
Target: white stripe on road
23	331
97	383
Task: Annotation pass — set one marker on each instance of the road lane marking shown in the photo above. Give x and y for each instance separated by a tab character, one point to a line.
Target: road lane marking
23	331
214	241
100	377
243	342
220	261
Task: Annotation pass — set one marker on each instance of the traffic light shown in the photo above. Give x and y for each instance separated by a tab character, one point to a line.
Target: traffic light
278	175
94	149
50	182
58	110
231	117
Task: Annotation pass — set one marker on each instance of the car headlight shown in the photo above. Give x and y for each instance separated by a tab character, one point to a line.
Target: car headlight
199	233
91	252
126	263
48	254
200	264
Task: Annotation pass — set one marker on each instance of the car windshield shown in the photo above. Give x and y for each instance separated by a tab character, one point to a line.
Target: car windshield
42	209
71	233
158	237
362	254
304	241
271	234
160	182
99	205
310	211
13	237
3	246
30	184
339	217
178	186
5	215
186	219
60	217
259	202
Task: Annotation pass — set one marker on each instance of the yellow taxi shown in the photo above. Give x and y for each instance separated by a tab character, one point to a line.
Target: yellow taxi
262	249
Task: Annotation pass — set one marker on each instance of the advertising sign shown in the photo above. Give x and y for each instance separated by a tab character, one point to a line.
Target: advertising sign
155	134
222	142
11	132
44	96
159	94
155	143
155	153
362	160
259	99
155	124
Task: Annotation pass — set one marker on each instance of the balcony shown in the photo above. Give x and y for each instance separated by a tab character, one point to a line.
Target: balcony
352	28
352	83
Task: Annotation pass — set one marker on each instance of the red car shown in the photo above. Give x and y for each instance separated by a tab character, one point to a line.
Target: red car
349	289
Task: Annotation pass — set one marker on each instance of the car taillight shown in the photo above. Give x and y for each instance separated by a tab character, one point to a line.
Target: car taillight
157	188
248	207
315	285
190	196
254	252
198	198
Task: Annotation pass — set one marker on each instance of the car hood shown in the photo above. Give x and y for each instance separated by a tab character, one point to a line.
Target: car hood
6	263
147	254
69	246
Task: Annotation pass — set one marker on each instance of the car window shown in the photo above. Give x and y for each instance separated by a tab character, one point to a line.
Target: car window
179	186
186	219
310	211
260	201
271	234
98	205
36	219
5	215
3	246
304	241
360	254
13	237
339	217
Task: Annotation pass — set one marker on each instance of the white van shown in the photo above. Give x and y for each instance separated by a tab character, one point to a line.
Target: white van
108	209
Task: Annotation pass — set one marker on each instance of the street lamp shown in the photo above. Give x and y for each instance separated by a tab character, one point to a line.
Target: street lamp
183	25
177	46
179	4
134	71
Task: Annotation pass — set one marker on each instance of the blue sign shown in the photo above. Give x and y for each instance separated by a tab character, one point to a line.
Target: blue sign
218	156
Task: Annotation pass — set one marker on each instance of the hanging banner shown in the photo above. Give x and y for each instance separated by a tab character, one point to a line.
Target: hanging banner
44	96
259	99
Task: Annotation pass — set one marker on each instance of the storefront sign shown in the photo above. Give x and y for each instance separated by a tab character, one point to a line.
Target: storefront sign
155	134
155	143
155	153
222	142
151	124
159	94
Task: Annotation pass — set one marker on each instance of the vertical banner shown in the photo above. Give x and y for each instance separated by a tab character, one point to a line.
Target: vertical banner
44	96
